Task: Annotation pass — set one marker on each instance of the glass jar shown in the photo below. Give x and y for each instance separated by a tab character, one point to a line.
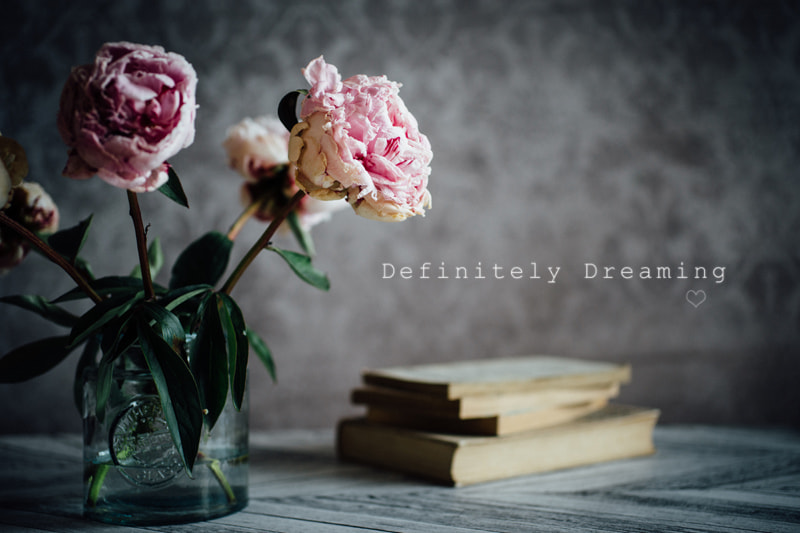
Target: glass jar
133	473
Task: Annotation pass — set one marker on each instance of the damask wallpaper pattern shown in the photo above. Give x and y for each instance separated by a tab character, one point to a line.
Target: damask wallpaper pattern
568	135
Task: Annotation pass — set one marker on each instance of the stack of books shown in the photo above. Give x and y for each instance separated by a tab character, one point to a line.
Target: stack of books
472	421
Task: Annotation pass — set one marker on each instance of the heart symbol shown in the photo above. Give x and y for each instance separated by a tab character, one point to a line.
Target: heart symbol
696	297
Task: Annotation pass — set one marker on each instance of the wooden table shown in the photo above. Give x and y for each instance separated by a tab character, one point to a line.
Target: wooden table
701	479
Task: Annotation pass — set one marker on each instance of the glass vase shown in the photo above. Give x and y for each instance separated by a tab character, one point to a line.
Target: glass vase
133	473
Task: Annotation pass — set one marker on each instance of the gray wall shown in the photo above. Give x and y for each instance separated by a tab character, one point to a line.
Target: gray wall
564	132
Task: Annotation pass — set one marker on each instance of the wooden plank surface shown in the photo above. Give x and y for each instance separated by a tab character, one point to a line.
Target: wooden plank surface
700	479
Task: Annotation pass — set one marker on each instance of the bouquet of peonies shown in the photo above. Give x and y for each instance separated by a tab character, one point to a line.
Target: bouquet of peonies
122	118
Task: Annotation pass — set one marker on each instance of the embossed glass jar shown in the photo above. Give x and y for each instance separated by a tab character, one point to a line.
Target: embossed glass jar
132	471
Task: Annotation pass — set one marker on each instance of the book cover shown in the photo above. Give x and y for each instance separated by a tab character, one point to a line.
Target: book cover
500	375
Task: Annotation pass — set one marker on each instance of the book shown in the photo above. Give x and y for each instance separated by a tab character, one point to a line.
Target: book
501	375
614	432
480	405
498	424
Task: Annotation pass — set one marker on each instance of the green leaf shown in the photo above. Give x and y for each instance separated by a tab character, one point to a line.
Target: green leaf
209	361
301	265
287	108
178	392
86	361
173	189
117	338
84	268
166	324
33	359
108	286
233	326
105	379
101	314
42	307
174	298
155	257
263	352
302	235
202	262
68	242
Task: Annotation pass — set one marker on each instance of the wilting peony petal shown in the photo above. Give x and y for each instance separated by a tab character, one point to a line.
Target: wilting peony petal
358	141
5	185
124	115
256	146
32	207
13	159
258	150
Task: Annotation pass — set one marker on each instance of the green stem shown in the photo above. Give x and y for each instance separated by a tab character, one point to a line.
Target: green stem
260	243
51	254
141	245
237	226
96	483
215	468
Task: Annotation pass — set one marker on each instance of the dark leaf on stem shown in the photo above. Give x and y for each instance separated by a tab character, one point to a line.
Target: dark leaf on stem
173	189
33	359
87	361
68	242
233	326
177	297
108	286
43	308
178	392
202	262
209	361
101	314
301	265
263	352
166	324
117	338
302	235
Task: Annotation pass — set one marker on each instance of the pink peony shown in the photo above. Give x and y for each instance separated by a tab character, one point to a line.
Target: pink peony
124	115
358	141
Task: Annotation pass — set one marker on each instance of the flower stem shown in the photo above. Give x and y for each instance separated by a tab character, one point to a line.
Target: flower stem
260	243
237	226
96	483
215	468
141	245
51	254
